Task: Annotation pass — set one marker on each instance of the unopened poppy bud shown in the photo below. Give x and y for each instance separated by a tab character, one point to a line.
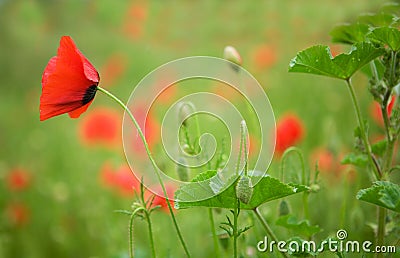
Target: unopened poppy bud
182	170
314	188
231	54
244	189
284	208
185	111
187	149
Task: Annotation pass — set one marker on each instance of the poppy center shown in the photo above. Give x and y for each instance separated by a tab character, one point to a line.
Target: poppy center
89	94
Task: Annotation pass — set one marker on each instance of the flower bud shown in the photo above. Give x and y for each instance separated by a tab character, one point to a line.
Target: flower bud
244	189
187	149
231	54
314	188
185	111
284	208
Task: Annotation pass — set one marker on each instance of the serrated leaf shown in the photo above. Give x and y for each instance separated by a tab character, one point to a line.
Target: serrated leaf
301	227
359	160
377	19
318	60
267	189
382	193
349	33
386	36
379	148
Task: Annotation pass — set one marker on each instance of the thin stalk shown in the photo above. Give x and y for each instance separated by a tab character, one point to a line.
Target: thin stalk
381	227
364	137
235	228
268	229
131	236
214	233
153	163
131	253
305	179
153	251
200	157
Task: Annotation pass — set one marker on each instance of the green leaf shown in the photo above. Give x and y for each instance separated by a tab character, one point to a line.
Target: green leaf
379	148
382	193
386	36
378	19
302	227
267	189
359	160
318	60
349	33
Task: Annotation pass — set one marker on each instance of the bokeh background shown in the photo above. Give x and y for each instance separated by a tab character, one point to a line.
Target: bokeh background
62	180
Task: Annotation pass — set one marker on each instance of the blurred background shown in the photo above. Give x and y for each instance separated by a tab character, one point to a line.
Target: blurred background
61	180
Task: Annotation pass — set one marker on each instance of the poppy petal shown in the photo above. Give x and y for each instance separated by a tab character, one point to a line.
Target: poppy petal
77	112
50	68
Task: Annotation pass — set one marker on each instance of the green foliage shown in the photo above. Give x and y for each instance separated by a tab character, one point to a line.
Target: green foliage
267	189
379	148
299	227
359	160
382	193
349	33
318	60
386	36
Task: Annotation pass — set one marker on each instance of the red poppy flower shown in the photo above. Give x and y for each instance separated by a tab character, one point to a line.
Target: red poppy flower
18	213
101	126
376	113
264	56
18	179
135	20
151	130
69	82
160	200
122	180
289	131
325	159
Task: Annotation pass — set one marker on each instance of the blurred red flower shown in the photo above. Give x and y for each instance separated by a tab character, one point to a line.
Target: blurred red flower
122	180
151	130
18	213
69	82
134	20
264	56
18	179
325	159
159	200
289	131
375	111
114	68
101	126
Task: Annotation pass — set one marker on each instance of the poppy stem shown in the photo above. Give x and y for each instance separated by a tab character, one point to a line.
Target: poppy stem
364	136
142	137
